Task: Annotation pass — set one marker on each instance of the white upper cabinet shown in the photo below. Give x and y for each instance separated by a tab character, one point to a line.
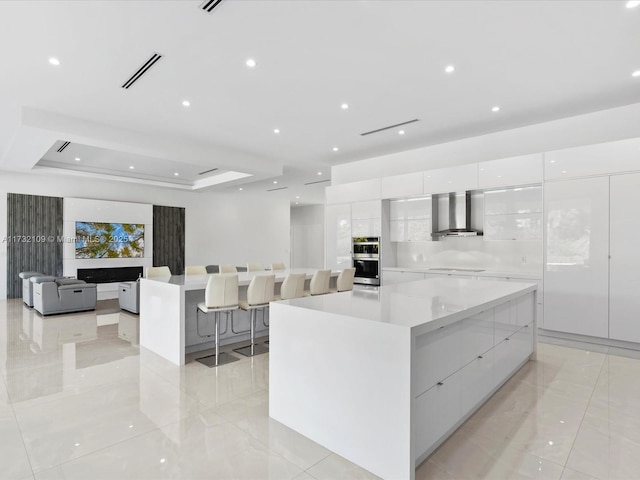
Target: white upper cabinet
624	287
576	276
353	192
452	179
522	170
513	213
400	186
410	220
366	219
599	159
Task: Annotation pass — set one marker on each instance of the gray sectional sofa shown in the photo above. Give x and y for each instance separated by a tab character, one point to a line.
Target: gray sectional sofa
27	286
62	295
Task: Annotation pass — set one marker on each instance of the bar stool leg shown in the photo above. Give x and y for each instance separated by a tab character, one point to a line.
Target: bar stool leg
253	349
217	320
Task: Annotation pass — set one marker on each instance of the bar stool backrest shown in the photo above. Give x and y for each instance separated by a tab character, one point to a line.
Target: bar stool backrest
345	280
221	291
278	266
261	289
254	267
195	270
320	282
293	286
158	272
227	269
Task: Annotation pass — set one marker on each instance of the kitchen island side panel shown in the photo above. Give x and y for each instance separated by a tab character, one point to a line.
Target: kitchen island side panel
346	384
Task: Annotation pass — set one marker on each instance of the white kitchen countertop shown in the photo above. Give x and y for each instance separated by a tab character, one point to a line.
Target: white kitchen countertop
469	272
421	305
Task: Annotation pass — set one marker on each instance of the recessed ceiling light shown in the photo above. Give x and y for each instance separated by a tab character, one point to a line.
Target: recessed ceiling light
319	173
186	103
275	181
636	73
251	63
54	61
552	161
495	109
632	4
240	189
176	174
401	132
344	106
449	69
131	167
564	171
335	149
77	159
297	203
297	197
276	130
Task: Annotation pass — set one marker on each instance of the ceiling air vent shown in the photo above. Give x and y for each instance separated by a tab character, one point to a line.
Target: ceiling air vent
209	5
208	171
319	181
63	146
389	127
279	188
142	70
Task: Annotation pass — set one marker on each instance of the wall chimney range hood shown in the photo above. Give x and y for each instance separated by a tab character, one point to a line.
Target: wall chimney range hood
456	207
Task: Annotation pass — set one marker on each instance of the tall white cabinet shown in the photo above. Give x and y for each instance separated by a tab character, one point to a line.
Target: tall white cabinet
576	276
338	236
624	283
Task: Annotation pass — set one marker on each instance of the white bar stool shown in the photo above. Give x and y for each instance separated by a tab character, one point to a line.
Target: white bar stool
221	295
255	267
227	269
195	270
158	272
319	284
278	266
259	294
344	283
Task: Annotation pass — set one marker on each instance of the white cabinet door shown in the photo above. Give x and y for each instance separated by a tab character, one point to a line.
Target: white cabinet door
366	219
476	380
436	411
513	214
452	179
576	276
411	220
521	170
338	236
599	159
353	192
624	289
400	186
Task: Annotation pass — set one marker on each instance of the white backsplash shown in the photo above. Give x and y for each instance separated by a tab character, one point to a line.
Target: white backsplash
472	252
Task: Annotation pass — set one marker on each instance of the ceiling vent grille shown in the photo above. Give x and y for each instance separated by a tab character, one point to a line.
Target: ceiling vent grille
63	146
209	5
208	171
279	188
319	181
142	70
389	127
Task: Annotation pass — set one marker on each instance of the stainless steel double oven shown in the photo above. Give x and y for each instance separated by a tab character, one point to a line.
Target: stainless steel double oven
366	260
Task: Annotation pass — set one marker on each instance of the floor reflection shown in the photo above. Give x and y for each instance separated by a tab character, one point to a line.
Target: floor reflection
42	351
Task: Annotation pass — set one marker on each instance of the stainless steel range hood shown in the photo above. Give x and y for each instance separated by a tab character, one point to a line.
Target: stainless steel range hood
458	207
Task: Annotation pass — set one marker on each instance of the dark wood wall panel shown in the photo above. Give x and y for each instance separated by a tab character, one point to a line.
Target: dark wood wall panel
34	225
168	238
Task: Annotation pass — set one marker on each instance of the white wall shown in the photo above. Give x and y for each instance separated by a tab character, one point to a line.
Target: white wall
604	126
307	236
220	227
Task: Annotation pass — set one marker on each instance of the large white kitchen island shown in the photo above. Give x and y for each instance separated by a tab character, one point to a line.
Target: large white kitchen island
383	377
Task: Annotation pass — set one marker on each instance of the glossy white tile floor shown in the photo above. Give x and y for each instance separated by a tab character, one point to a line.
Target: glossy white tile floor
79	399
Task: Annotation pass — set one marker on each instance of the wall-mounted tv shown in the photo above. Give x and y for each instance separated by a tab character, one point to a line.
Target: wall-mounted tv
109	240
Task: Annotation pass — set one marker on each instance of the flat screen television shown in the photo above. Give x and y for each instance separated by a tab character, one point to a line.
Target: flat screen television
109	240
